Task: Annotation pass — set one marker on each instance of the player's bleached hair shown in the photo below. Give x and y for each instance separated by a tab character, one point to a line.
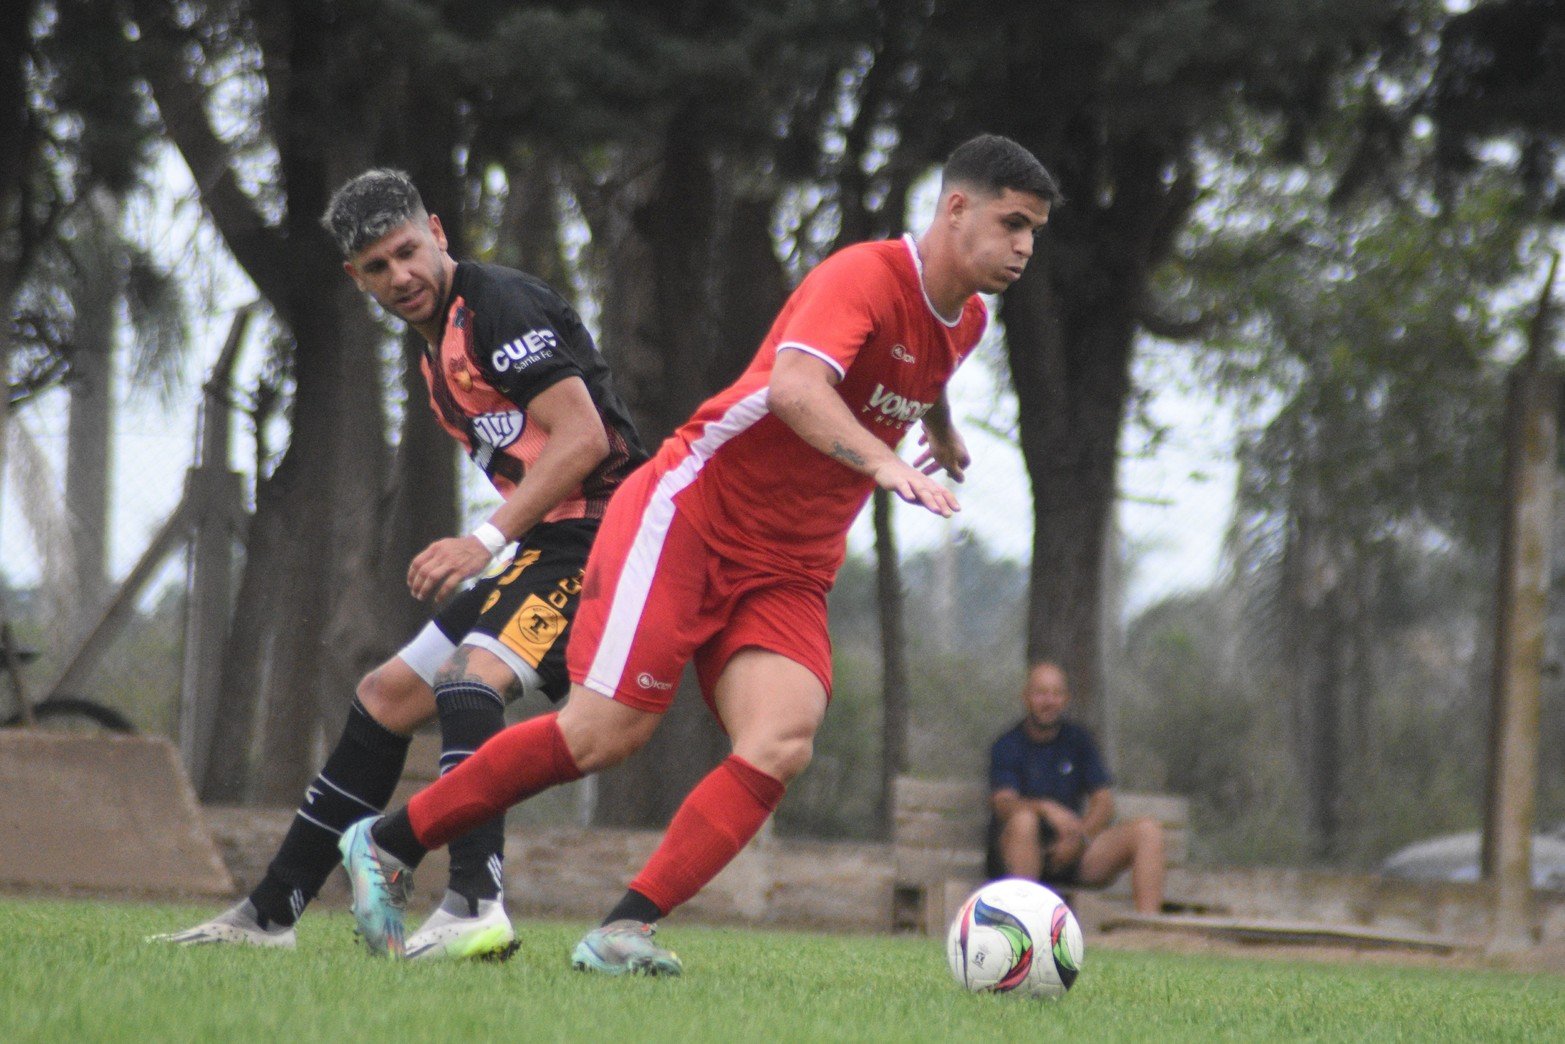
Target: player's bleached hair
368	206
995	163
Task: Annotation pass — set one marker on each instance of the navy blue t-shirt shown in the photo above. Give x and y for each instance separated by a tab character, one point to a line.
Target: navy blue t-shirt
1066	769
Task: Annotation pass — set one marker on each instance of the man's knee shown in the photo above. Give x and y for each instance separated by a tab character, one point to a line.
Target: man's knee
1023	824
396	697
783	756
600	732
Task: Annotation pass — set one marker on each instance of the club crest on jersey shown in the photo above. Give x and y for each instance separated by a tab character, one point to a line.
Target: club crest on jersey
901	354
887	407
521	352
499	430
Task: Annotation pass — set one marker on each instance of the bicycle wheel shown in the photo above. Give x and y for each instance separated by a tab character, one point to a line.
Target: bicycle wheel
74	714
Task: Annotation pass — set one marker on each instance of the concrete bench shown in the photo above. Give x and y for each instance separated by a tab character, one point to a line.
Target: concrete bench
939	829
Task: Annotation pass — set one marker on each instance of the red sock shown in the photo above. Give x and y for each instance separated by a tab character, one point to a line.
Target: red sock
511	766
717	819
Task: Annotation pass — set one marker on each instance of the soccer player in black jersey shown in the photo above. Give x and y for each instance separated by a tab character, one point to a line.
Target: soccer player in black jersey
515	377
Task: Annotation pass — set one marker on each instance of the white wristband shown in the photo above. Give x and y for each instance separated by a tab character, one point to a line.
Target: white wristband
490	536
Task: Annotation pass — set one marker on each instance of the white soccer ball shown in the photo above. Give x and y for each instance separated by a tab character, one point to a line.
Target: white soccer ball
1015	936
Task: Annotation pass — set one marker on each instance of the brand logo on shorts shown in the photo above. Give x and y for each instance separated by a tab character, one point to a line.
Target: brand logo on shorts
901	354
646	681
533	629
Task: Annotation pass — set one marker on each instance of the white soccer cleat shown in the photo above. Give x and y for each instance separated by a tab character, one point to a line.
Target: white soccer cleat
451	933
237	925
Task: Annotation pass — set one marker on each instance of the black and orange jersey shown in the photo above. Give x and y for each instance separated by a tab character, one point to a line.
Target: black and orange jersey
507	337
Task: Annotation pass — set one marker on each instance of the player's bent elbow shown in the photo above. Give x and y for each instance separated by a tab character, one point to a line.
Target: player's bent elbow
780	401
592	443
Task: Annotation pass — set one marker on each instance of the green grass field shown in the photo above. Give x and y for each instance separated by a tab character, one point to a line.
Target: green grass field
80	971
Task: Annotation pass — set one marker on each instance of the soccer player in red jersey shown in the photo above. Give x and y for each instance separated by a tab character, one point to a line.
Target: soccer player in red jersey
720	550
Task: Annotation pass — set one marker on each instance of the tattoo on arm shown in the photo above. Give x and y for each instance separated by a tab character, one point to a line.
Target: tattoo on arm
846	455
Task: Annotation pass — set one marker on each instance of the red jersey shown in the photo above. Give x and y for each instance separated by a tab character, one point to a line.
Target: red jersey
752	488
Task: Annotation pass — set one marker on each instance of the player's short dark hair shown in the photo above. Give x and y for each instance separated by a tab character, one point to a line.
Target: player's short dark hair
995	163
368	206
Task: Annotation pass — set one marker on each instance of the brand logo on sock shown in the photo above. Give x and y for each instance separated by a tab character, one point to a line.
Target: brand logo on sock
646	681
496	871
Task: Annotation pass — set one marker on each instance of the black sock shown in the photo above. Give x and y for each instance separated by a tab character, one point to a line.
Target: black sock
634	907
394	834
357	781
470	713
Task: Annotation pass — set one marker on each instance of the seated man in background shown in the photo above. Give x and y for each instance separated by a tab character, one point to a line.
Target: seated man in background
1053	809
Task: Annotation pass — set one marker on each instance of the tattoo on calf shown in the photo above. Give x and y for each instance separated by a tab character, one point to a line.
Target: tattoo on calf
455	667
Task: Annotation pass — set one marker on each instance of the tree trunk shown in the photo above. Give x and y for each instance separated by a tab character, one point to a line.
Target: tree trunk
91	408
16	157
690	286
1070	364
420	505
312	612
893	656
1312	578
322	625
1071	323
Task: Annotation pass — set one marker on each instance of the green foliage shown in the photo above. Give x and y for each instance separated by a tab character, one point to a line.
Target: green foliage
139	673
80	971
964	673
1195	719
838	796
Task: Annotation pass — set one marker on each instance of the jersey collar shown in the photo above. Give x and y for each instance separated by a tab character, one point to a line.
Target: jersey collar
918	267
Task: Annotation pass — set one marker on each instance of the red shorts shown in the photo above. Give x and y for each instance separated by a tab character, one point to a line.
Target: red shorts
655	597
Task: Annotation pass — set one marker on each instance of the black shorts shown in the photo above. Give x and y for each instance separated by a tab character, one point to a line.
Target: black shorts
994	866
522	611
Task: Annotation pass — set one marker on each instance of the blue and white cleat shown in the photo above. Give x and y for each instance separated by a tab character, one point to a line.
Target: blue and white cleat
381	885
624	948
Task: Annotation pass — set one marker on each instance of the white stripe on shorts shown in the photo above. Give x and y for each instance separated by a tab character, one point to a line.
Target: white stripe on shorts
635	579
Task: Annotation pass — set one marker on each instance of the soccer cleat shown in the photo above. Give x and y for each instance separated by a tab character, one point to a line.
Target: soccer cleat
452	933
624	947
381	885
237	925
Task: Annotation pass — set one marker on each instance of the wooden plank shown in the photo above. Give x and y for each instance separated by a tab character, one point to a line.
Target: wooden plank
1293	932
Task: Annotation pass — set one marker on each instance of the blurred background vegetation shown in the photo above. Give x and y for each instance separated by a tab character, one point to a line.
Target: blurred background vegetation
1336	216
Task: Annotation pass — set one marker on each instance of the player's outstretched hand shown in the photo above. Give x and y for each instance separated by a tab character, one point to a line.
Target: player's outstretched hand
945	448
441	567
915	487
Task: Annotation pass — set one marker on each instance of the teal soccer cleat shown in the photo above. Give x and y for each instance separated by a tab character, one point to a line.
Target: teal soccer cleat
381	885
624	948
